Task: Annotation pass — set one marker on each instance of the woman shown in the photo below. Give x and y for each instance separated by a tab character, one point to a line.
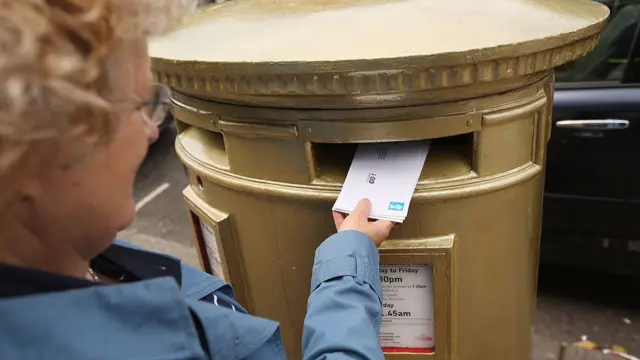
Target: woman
75	124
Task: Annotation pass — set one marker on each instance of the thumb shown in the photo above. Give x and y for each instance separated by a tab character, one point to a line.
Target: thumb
338	219
362	210
384	226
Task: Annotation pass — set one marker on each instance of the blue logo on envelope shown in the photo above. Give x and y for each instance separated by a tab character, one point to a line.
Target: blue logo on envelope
396	206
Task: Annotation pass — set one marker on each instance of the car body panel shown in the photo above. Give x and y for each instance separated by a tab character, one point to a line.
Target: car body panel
592	190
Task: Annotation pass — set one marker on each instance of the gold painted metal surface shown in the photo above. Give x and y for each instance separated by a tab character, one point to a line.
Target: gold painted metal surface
344	54
488	197
272	97
342	30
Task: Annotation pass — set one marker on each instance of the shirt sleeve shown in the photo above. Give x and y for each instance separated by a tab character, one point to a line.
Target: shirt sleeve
344	310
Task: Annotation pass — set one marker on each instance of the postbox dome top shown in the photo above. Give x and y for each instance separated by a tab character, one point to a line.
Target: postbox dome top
244	38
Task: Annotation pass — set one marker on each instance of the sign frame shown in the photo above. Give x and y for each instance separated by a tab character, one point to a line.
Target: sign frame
221	224
439	252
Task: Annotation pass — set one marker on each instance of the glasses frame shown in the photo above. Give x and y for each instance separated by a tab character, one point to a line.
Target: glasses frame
156	109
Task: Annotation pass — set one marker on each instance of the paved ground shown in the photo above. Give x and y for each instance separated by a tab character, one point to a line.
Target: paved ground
571	303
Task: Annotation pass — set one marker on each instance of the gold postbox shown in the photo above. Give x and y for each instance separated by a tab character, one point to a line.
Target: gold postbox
273	96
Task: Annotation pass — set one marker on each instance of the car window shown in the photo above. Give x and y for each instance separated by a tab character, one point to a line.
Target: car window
608	60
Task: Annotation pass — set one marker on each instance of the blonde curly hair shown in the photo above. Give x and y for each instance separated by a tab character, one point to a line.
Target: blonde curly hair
52	61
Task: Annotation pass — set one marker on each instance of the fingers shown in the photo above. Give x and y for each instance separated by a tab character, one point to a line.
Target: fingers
362	210
384	226
338	219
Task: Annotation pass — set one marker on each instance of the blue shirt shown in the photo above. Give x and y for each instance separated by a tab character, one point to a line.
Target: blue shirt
157	319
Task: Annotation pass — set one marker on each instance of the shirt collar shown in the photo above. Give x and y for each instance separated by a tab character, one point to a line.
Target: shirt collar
115	261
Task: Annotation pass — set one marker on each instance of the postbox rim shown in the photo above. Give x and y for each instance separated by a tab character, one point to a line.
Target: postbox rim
260	31
236	80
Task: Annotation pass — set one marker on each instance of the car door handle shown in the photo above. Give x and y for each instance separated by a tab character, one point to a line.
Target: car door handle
604	124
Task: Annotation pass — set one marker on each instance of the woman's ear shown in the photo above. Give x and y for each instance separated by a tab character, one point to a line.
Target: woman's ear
30	175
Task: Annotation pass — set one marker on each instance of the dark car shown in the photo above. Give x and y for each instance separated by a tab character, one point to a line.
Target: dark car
592	192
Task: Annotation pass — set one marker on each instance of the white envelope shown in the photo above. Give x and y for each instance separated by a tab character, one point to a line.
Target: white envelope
386	174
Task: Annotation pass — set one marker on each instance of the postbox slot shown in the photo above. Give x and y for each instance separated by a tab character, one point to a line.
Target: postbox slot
449	158
217	142
208	144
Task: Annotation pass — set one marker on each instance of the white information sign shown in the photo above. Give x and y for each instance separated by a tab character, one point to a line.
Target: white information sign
407	312
213	252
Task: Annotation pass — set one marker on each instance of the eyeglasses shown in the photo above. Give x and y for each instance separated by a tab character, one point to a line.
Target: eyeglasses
155	108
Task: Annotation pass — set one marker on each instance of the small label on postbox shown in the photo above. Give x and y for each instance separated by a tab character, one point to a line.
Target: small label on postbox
213	253
407	312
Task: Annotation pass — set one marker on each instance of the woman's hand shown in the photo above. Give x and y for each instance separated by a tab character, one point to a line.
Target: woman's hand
378	231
